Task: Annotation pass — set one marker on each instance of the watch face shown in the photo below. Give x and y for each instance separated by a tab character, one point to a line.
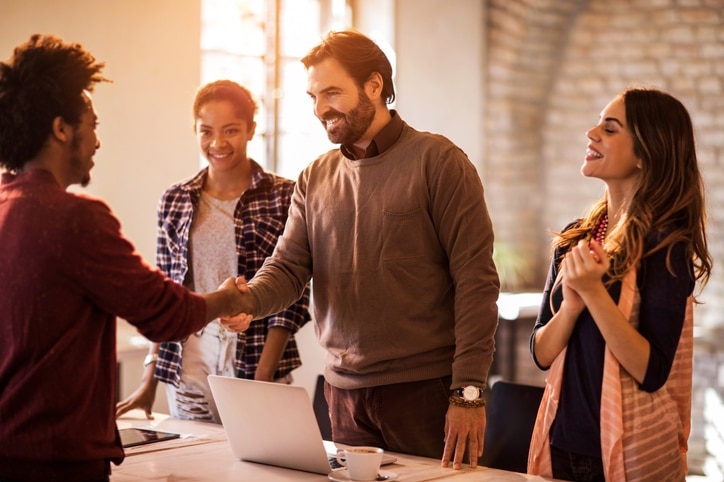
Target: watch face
471	393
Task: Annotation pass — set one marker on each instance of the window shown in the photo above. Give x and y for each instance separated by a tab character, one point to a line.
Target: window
259	44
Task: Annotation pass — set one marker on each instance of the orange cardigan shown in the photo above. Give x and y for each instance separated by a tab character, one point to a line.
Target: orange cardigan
639	435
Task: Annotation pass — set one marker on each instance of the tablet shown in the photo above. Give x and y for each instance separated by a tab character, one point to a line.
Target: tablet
130	437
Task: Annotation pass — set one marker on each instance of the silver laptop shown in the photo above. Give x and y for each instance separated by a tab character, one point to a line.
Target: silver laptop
274	424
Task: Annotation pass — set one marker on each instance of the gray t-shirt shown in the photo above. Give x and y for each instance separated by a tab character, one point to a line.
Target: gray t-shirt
212	244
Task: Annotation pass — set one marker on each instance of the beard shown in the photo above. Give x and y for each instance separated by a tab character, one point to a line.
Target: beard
351	126
77	164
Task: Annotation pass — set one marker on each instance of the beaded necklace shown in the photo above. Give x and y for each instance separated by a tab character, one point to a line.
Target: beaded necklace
599	231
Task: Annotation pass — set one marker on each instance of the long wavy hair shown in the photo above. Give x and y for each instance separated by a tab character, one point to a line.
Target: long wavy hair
44	79
669	197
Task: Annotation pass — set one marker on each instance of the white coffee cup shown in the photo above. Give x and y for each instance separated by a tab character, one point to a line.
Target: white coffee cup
363	463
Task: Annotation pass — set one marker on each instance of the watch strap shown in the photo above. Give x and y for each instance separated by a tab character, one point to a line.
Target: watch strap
461	402
150	358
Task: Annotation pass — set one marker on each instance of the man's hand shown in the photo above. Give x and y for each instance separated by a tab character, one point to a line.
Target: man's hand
241	321
143	397
464	427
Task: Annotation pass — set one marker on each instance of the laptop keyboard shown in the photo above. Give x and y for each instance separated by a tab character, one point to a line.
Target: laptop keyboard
334	463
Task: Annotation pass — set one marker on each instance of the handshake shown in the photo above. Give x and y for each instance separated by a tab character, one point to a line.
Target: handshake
232	303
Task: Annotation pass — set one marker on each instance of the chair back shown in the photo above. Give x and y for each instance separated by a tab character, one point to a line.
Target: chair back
511	412
321	409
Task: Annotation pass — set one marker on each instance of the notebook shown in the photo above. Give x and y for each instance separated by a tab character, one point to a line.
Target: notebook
273	424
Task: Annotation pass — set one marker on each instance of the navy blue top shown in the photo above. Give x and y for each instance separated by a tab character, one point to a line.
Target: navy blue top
661	318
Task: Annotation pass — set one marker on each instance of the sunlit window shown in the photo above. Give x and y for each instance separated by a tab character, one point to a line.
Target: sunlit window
259	44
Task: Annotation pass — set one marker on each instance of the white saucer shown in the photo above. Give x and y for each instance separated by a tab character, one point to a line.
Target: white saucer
343	475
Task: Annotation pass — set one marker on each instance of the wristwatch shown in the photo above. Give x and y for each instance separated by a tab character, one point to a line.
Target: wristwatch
150	358
469	393
469	397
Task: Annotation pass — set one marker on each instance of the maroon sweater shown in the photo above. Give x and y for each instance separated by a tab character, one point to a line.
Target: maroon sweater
66	272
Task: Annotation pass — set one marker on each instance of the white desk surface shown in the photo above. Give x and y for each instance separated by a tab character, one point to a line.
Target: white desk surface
203	454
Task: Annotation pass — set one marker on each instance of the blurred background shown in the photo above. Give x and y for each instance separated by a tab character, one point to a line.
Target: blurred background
515	83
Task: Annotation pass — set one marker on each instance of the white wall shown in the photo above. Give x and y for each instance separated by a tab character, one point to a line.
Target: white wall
152	54
440	54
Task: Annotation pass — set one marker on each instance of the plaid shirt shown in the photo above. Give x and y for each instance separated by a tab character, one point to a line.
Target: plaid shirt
259	216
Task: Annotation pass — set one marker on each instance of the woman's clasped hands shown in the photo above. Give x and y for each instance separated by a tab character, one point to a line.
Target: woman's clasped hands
584	267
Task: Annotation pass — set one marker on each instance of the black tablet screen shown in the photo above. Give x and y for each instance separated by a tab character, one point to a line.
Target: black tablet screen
131	437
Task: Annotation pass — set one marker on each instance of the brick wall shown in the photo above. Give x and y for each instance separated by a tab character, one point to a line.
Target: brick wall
551	67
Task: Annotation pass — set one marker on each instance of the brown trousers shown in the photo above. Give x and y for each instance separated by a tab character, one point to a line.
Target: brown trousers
404	417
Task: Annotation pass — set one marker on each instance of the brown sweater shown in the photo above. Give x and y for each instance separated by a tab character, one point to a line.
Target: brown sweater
399	248
66	271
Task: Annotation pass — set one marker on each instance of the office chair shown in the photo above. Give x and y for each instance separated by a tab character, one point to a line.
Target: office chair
321	409
511	412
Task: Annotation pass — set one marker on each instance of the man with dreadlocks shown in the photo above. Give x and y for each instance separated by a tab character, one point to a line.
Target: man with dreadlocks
66	272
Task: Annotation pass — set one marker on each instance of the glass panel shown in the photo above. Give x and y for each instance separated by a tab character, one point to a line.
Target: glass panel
297	150
248	71
234	46
299	27
235	26
296	108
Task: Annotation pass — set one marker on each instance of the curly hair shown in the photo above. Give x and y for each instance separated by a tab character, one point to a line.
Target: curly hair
228	90
669	197
359	55
44	79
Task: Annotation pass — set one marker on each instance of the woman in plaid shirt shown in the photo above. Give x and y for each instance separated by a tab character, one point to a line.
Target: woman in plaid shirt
222	222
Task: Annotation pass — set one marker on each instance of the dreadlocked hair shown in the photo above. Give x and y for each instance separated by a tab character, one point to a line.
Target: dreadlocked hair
44	79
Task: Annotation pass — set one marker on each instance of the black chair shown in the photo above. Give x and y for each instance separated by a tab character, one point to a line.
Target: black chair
321	409
511	412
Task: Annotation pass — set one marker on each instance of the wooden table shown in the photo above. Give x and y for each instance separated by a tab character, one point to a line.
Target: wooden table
203	454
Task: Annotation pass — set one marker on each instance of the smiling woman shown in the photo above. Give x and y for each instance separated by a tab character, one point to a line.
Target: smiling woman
224	221
259	44
615	327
